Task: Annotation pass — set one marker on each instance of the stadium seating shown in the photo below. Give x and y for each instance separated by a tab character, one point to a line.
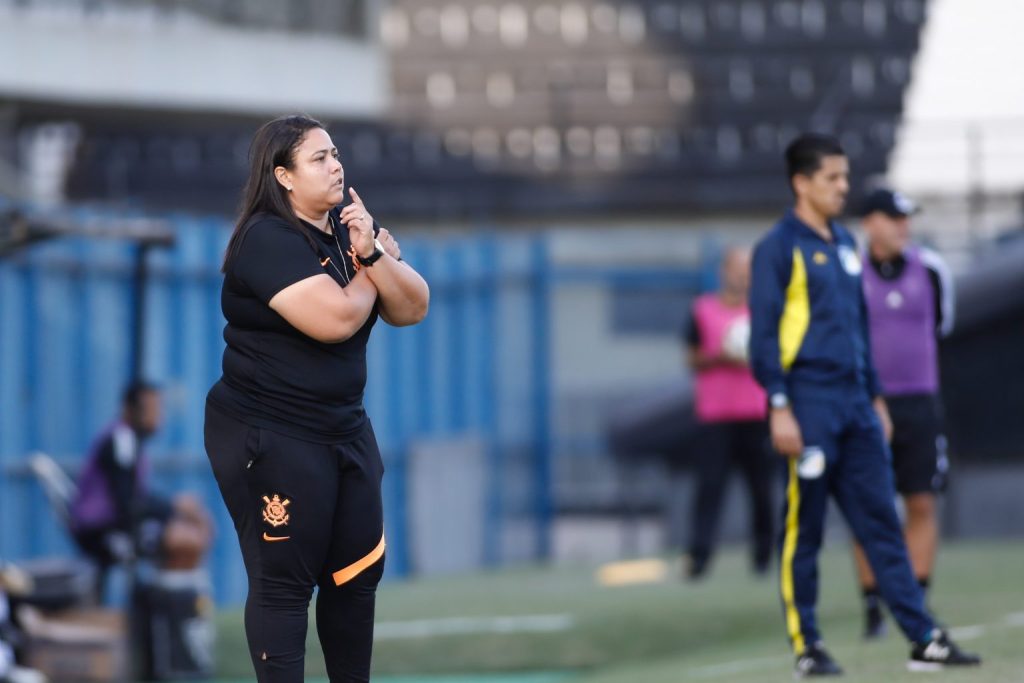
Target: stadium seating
504	107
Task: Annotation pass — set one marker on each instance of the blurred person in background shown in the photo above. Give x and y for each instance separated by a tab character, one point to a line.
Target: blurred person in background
910	304
731	410
810	349
291	446
115	516
13	581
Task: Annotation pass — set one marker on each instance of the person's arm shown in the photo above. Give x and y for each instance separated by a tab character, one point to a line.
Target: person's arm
278	265
770	272
695	358
403	296
874	385
942	287
322	309
771	269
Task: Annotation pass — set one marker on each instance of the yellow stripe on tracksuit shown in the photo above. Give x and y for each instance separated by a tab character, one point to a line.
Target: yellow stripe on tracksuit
796	636
796	317
796	314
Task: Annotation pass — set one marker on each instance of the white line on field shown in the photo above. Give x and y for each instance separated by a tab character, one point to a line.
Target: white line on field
968	632
734	667
552	623
424	628
1015	619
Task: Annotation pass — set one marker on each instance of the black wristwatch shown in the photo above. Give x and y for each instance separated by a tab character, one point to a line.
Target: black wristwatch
372	258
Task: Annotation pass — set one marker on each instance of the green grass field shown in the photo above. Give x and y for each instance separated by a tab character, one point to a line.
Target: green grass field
726	628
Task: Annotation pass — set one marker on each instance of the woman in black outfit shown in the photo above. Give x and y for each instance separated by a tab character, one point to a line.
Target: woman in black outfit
291	447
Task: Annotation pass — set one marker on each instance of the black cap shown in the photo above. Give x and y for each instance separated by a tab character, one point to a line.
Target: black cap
890	203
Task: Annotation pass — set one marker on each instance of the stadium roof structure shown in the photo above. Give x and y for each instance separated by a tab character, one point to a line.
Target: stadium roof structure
22	226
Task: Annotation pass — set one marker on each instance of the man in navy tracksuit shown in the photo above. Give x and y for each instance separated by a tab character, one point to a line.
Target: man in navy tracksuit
810	350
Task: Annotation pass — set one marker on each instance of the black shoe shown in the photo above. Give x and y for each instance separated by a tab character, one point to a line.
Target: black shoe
875	627
816	661
939	652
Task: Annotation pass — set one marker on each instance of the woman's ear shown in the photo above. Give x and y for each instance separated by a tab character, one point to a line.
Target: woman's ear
283	177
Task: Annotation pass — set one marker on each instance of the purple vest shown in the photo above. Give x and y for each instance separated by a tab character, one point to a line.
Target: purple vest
93	506
901	314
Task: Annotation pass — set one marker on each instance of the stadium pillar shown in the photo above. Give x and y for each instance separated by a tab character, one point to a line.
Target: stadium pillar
140	274
542	380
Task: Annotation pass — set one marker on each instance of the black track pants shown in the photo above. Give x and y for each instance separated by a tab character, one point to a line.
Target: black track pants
307	514
724	445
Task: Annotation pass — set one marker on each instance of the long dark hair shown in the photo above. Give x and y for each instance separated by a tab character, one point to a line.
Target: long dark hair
273	145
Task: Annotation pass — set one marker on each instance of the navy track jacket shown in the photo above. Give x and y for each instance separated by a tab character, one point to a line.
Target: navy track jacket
808	318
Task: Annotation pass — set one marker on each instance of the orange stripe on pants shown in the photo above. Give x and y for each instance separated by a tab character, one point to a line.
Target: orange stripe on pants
353	570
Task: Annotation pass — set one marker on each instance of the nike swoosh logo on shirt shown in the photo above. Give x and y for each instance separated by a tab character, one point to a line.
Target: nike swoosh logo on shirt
325	261
271	539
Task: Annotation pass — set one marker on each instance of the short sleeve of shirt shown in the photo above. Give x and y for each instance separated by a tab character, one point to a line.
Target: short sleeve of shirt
273	256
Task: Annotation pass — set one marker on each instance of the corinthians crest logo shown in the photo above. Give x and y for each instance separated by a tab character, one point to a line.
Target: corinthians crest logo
275	512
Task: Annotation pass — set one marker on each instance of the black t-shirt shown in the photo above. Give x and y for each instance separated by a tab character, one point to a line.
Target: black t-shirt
119	463
274	375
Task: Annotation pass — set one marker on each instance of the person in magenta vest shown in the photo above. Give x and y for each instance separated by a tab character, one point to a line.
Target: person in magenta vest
731	409
909	295
114	514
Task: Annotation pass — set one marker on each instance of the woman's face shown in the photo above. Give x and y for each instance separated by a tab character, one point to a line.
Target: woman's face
316	179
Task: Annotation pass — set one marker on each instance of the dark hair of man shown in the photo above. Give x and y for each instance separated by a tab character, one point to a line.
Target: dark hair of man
133	393
804	154
273	145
